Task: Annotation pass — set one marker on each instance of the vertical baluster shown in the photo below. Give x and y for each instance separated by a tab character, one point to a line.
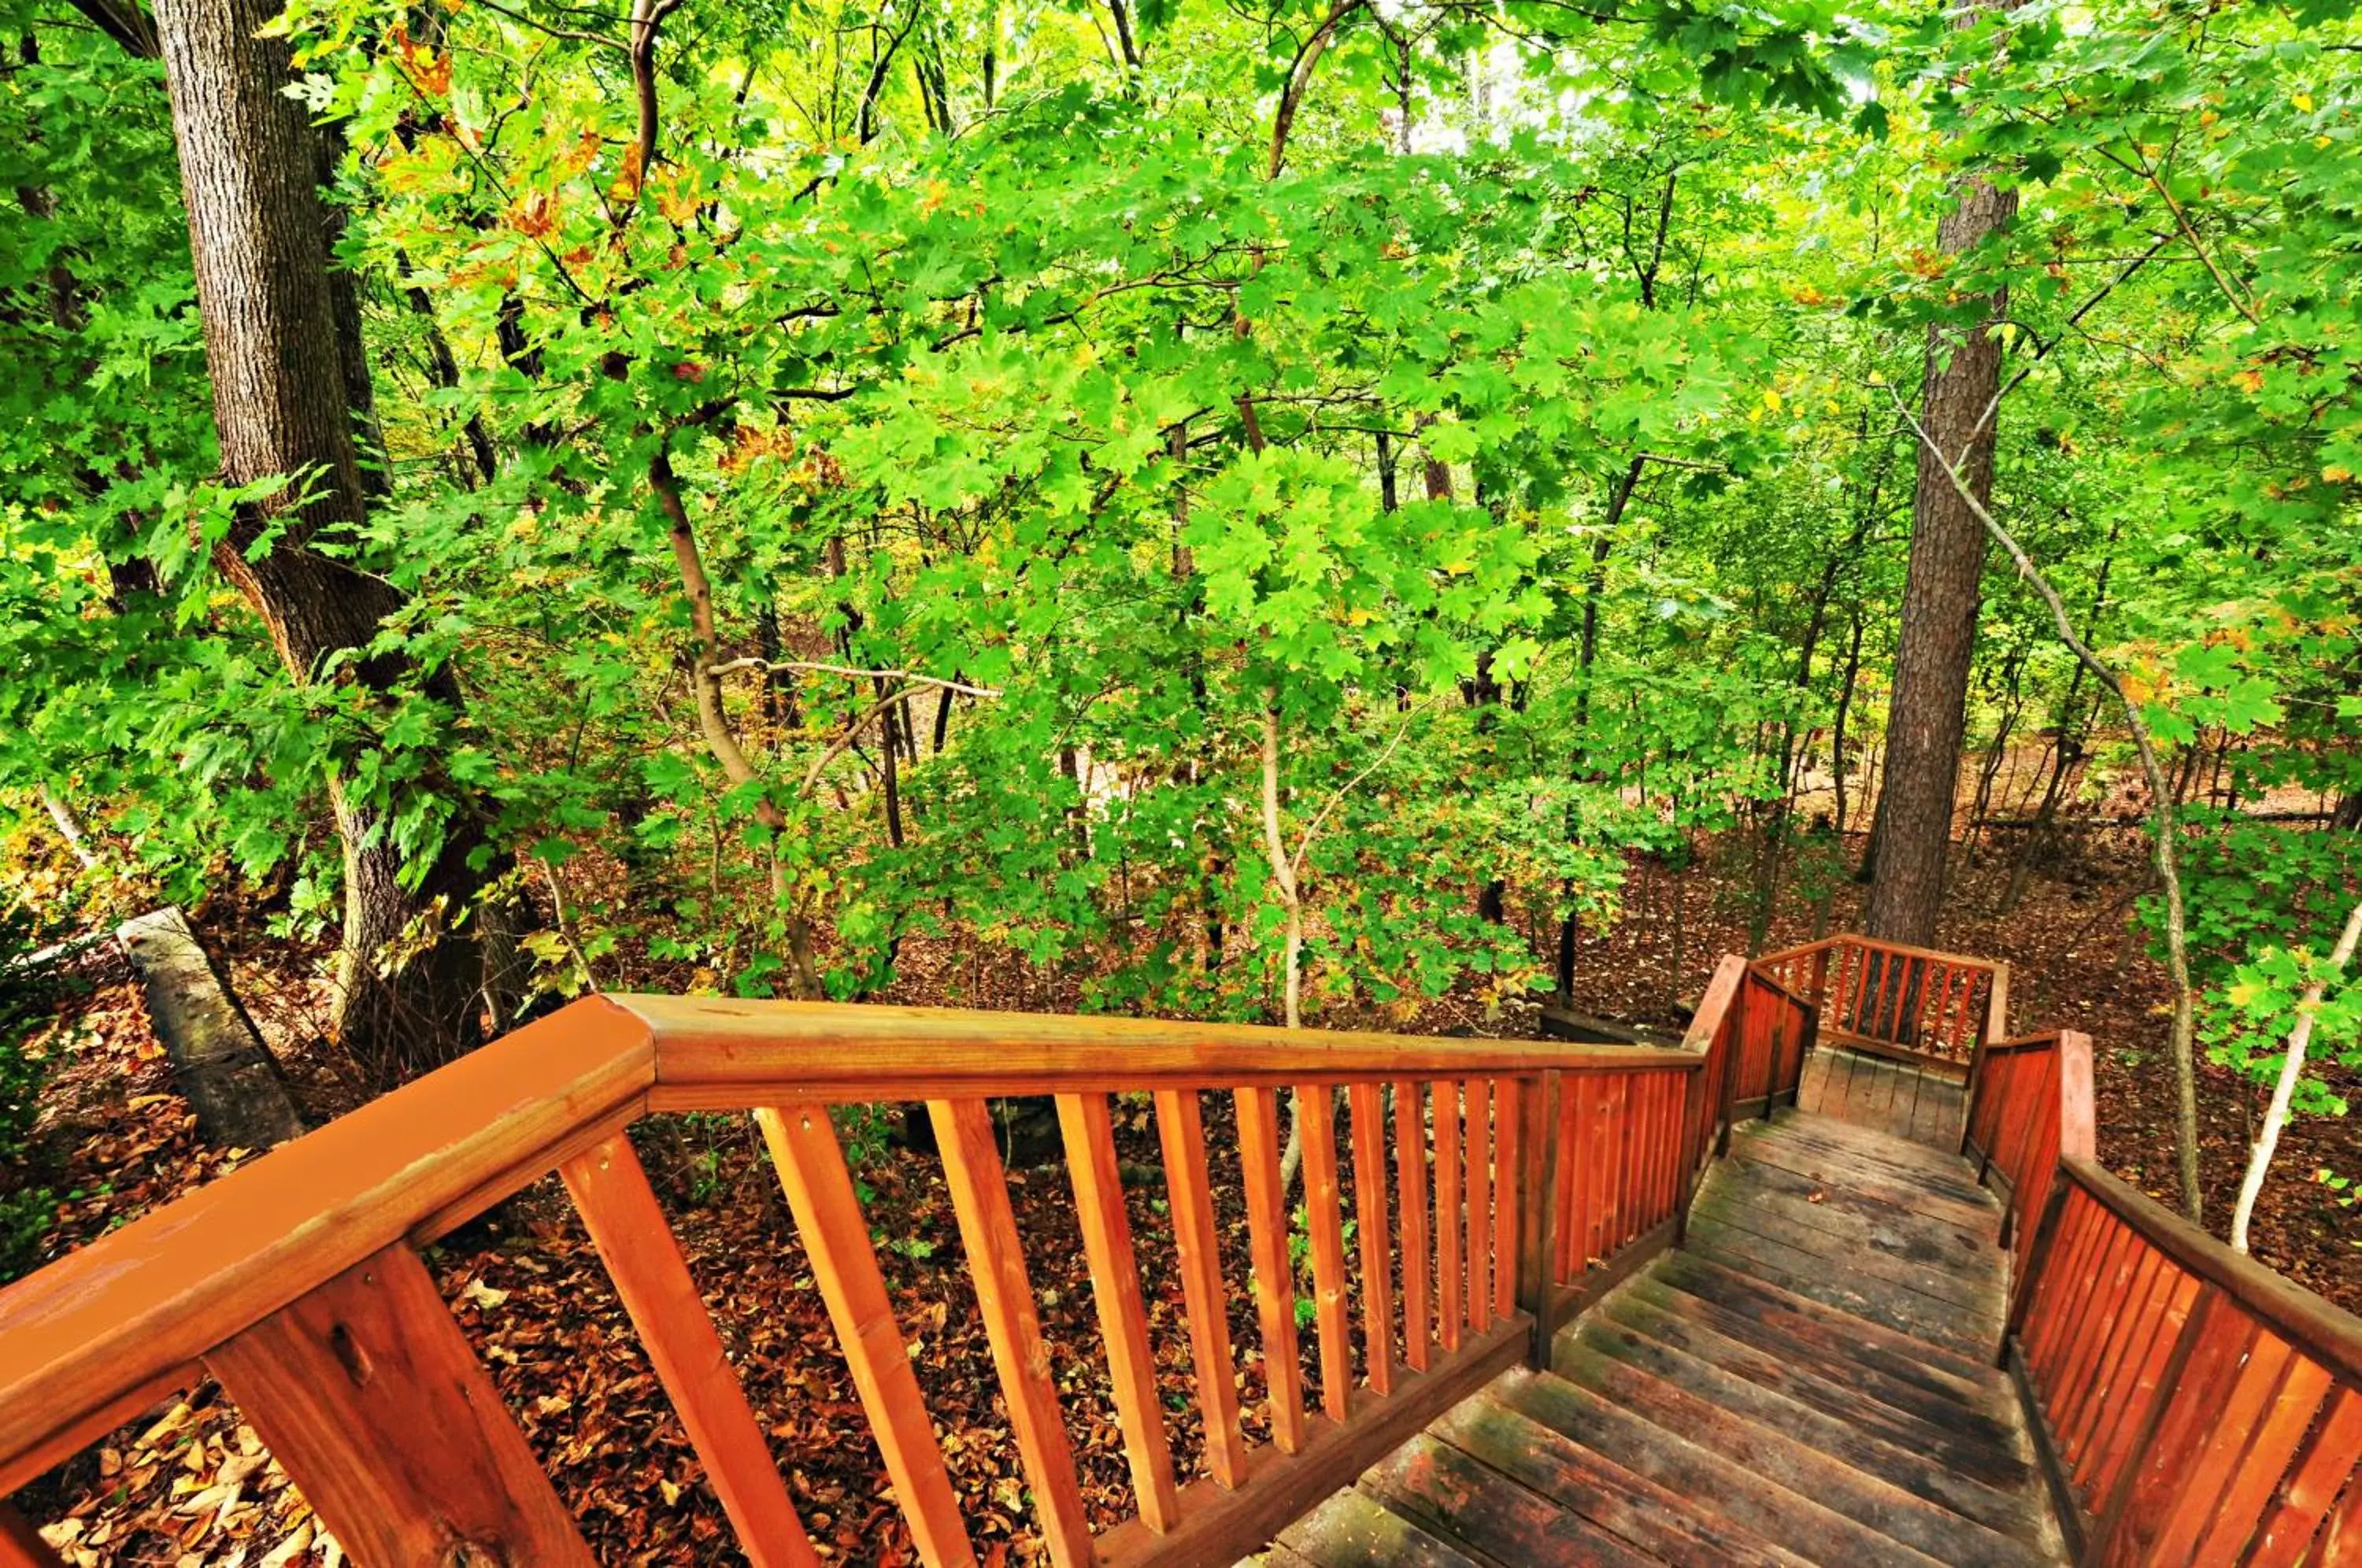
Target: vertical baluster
1567	1163
1451	1276
1275	1275
1181	1135
1670	1086
2314	1479
2115	1450
1632	1157
2071	1421
1508	1130
368	1395
1012	1326
1478	1147
1417	1255
610	1192
2279	1426
2109	1271
1363	1102
21	1545
2193	1402
1607	1198
835	1237
1315	1111
1089	1138
1575	1179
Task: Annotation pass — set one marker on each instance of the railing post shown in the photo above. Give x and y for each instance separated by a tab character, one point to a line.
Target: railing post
368	1393
1538	1221
2030	1260
1993	1027
1726	1092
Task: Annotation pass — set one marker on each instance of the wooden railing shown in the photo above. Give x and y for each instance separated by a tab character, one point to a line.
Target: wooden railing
2189	1405
1525	1178
1913	1004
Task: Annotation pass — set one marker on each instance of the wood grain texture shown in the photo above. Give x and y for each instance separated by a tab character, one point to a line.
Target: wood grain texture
827	1211
610	1192
1089	1137
132	1308
1013	1325
1477	1145
1451	1236
1411	1204
1275	1274
369	1395
1181	1135
1366	1107
1323	1223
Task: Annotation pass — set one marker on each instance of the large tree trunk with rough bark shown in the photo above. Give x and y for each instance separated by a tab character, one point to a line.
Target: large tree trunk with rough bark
281	343
1940	599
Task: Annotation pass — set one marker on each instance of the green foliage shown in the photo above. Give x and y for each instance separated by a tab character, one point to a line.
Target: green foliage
1529	465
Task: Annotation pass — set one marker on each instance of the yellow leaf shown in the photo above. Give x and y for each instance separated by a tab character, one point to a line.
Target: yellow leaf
1771	400
2303	101
2337	474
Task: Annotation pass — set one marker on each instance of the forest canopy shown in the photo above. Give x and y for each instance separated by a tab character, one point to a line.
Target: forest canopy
1251	511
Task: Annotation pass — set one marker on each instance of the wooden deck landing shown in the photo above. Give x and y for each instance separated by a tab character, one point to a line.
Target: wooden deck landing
1909	1101
1809	1379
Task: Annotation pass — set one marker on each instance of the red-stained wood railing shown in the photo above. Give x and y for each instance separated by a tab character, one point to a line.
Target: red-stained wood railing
1913	1004
2189	1405
1525	1178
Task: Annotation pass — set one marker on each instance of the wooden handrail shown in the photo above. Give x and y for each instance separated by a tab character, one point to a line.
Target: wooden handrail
2315	1325
1555	1169
2187	1404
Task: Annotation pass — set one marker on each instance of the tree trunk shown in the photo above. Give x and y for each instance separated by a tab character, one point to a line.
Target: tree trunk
1928	709
258	234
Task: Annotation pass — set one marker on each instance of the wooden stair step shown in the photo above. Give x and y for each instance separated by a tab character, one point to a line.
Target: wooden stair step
1755	1501
1954	1189
1684	1532
1458	1498
1933	1324
1980	1299
1353	1529
1881	1156
1850	1443
1891	1148
1975	1210
1817	1321
1839	1204
1876	1504
1943	1428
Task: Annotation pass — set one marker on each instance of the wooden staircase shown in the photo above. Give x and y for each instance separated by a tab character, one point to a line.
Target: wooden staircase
1808	1378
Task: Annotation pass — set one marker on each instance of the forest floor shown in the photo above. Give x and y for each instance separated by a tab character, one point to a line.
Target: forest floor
189	1484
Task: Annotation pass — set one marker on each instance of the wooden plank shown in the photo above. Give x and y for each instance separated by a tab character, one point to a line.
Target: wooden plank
1274	1272
2214	1340
371	1399
1477	1143
2210	1471
1352	1530
1541	1218
21	1545
1417	1258
1181	1134
2281	1427
2314	1479
127	1312
1891	1510
723	1052
1004	1297
1324	1225
1218	1527
1451	1268
1507	1133
1089	1138
1460	1499
827	1212
610	1192
1364	1105
1574	1158
1675	1530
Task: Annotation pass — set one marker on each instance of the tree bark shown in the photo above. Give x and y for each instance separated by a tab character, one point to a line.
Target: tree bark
1940	597
280	347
